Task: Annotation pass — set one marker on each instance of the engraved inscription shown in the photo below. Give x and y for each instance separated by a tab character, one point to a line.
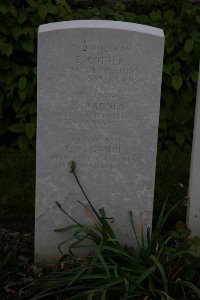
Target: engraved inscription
93	108
102	152
99	63
84	47
96	120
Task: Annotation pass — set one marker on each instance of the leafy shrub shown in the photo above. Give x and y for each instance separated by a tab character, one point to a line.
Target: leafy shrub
18	46
19	22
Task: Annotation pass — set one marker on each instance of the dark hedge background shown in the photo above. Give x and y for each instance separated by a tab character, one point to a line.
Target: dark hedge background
19	21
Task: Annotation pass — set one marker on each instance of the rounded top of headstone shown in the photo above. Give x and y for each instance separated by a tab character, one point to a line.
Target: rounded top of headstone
101	24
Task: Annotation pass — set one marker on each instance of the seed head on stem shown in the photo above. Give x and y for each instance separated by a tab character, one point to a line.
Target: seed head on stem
72	165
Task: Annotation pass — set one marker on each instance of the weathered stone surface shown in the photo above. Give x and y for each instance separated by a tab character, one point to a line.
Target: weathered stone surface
98	104
193	212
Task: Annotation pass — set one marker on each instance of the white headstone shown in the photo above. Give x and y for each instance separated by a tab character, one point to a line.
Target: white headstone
193	211
98	104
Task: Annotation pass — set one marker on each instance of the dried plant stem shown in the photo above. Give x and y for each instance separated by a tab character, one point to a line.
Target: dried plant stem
88	200
60	207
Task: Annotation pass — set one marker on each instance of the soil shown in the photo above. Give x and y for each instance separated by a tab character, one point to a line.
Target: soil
18	236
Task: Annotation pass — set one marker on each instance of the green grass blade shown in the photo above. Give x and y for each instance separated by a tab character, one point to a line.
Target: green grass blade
123	254
164	215
64	242
190	285
90	295
92	264
105	225
99	255
93	276
67	228
160	219
109	284
162	272
76	277
145	274
91	231
115	269
103	296
43	295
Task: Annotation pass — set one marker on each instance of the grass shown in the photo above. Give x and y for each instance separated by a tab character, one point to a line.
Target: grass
17	177
161	269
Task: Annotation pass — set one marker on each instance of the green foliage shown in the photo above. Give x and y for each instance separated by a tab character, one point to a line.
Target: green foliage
20	21
19	24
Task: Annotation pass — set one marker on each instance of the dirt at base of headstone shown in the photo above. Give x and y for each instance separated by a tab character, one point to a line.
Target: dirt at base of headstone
18	236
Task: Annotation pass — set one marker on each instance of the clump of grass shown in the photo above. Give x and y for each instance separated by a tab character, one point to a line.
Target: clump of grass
163	268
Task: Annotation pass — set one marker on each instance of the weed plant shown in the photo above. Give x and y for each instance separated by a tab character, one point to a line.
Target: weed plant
162	268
